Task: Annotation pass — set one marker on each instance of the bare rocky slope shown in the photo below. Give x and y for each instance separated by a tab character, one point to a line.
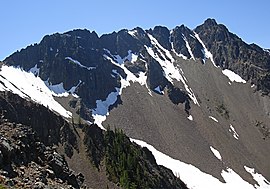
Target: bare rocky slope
167	88
39	149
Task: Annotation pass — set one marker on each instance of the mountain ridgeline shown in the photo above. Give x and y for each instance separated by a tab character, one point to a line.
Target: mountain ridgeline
184	91
249	61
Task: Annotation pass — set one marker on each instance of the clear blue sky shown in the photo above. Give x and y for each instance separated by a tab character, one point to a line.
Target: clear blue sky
23	22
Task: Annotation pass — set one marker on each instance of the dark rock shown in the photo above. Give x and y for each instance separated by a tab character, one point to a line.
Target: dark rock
162	34
229	52
1	158
80	179
178	37
6	149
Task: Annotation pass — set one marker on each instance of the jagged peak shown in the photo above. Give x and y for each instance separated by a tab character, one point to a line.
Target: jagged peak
135	32
158	29
210	22
182	27
184	30
81	33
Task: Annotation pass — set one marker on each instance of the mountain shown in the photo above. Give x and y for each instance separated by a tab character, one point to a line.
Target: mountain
197	99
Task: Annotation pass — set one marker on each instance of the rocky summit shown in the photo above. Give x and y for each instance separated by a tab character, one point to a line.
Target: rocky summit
156	108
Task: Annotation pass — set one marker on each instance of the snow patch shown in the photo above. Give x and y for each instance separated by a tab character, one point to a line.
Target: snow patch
133	32
102	110
190	118
79	64
211	117
194	177
59	91
233	76
262	182
131	57
233	131
157	89
28	86
216	153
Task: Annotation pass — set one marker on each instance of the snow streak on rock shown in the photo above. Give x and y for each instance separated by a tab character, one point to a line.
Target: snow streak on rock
206	52
28	86
216	153
213	118
177	54
188	47
166	61
233	131
79	64
131	57
196	179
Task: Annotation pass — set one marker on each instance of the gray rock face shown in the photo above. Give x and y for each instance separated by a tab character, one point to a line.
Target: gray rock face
78	56
250	61
26	153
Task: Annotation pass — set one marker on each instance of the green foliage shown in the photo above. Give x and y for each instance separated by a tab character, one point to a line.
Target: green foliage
123	161
2	187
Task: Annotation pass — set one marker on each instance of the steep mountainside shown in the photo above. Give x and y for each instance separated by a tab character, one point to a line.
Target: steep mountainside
198	98
38	149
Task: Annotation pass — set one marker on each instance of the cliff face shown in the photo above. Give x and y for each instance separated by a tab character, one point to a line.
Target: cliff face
230	52
30	134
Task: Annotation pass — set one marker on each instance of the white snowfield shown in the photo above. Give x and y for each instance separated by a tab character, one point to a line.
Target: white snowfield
233	76
196	179
28	86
